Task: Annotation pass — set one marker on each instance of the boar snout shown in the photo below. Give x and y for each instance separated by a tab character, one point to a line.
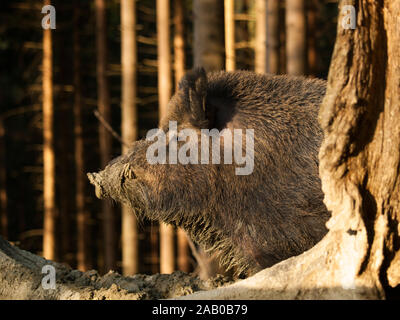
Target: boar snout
94	179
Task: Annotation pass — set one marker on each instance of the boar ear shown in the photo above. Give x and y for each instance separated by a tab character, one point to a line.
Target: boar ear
194	87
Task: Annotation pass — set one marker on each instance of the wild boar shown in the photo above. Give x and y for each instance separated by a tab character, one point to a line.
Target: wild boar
253	220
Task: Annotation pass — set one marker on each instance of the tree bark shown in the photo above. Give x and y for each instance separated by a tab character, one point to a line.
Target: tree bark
129	128
295	37
167	232
208	47
105	142
360	156
229	10
49	220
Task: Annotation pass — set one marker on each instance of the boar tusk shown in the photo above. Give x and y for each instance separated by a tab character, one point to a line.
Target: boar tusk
93	178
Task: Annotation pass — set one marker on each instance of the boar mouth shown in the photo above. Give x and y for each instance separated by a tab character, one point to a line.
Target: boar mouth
94	179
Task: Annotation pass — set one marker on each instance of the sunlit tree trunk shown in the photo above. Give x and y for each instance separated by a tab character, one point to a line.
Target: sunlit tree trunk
267	48
167	247
3	183
208	24
179	68
103	101
260	46
295	37
129	128
229	9
360	155
179	41
49	220
82	215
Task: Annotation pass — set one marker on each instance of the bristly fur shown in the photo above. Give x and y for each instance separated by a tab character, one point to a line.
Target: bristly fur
252	221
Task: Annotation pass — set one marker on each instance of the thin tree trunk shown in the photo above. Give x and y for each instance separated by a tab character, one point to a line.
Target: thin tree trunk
49	220
83	235
208	24
230	59
164	56
179	66
179	41
261	36
154	247
295	37
104	136
129	128
183	250
167	250
311	39
273	37
282	38
3	183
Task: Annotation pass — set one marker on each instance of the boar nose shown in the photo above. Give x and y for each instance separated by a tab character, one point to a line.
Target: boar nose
94	180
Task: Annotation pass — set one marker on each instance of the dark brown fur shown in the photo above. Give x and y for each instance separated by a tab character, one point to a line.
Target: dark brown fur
253	221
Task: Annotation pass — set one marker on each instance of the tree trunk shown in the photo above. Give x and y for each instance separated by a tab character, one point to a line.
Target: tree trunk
273	35
49	220
208	24
282	38
167	251
267	49
229	10
82	215
154	247
359	258
360	156
260	47
3	182
129	128
311	38
295	37
103	101
179	41
179	66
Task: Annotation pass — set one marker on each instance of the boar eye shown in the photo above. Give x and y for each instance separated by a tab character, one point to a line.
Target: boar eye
127	173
